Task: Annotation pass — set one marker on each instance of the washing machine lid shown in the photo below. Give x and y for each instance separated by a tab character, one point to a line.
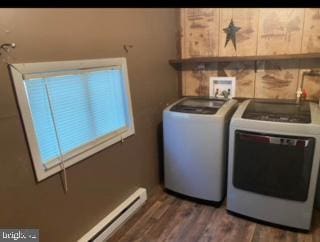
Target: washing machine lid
278	111
198	105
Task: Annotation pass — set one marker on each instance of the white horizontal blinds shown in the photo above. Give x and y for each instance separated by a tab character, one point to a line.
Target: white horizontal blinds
85	106
70	107
107	101
42	119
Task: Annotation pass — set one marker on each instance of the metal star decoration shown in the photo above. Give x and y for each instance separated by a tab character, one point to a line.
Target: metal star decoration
231	34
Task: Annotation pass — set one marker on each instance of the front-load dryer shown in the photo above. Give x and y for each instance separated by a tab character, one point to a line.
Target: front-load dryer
195	139
274	153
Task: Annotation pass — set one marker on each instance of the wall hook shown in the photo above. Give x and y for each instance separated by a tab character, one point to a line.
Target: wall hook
126	47
7	46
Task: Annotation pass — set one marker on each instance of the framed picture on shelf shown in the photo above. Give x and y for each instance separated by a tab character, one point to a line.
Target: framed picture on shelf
222	87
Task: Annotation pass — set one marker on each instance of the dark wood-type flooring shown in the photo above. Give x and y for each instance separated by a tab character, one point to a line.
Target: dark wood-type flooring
165	217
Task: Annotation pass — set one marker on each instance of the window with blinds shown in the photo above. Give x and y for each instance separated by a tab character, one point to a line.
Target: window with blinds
73	111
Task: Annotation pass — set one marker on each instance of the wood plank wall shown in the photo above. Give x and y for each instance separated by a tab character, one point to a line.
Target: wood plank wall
264	31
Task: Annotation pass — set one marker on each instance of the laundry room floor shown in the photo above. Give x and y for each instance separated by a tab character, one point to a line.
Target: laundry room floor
168	218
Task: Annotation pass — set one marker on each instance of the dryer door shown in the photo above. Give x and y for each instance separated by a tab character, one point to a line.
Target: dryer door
278	166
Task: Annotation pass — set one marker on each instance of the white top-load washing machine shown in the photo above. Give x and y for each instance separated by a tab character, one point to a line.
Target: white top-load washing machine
274	153
195	139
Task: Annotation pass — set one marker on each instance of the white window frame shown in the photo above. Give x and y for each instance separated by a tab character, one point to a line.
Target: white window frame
22	72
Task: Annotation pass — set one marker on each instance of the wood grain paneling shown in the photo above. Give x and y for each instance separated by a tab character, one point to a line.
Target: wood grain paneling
181	34
192	81
277	79
244	74
246	37
311	83
264	31
311	31
280	31
196	82
201	26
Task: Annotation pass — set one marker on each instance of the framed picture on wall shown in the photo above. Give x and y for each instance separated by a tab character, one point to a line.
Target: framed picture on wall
222	87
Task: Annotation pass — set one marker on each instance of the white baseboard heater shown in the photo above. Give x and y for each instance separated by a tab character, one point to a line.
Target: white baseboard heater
107	226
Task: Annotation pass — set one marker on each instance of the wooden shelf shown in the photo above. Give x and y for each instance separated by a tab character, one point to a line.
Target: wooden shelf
177	63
